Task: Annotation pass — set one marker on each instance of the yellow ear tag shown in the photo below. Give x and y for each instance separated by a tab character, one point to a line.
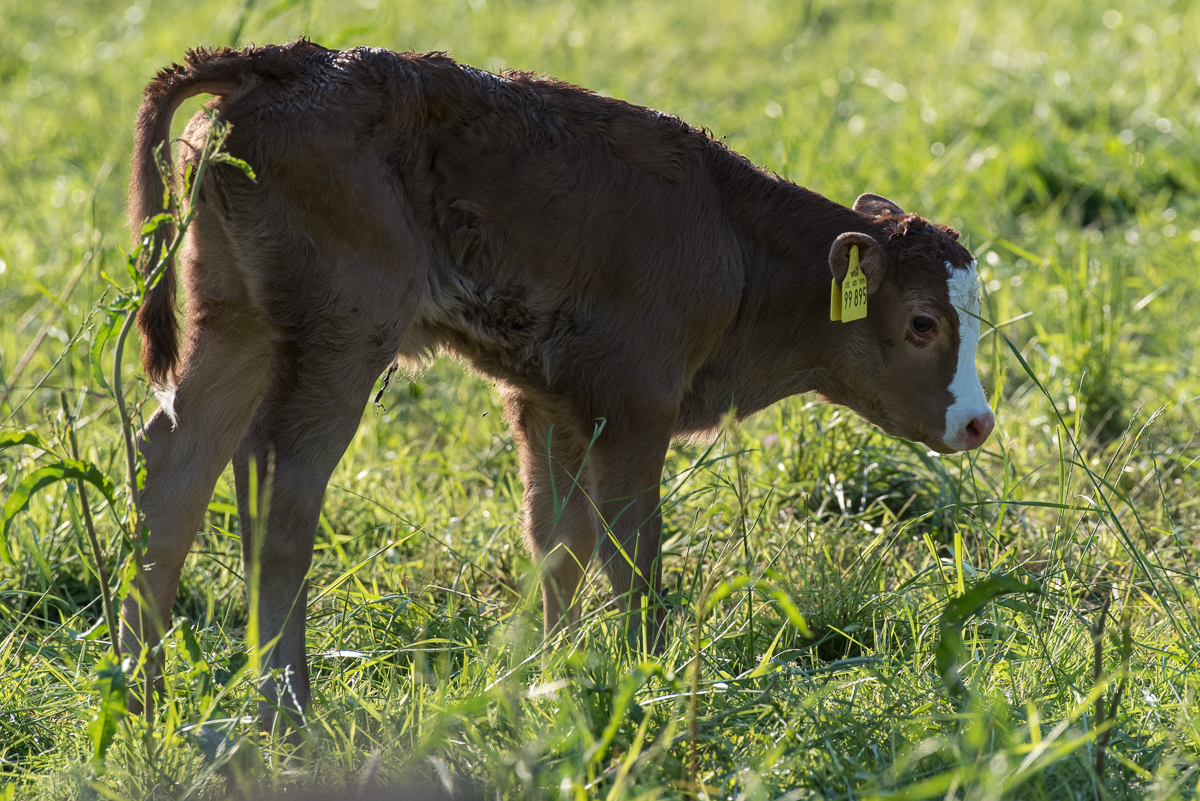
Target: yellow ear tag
835	301
848	301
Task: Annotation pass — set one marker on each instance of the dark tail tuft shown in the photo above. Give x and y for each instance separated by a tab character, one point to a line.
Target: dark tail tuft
160	332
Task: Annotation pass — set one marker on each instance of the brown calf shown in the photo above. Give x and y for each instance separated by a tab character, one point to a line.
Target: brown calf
602	262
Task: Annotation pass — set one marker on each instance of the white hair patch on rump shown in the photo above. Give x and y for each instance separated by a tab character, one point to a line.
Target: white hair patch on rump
969	401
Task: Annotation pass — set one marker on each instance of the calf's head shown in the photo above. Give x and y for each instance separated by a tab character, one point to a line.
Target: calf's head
909	366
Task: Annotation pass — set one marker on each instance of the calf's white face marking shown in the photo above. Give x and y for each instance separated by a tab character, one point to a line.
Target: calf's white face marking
969	401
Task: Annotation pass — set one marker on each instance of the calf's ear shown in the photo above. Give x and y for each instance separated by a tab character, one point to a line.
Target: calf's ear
876	205
870	258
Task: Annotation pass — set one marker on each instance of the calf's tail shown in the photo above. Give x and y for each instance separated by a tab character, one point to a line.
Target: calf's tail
217	72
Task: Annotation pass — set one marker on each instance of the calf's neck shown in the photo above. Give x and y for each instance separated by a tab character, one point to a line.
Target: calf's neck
622	277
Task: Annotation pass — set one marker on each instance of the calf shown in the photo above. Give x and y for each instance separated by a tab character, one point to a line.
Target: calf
621	276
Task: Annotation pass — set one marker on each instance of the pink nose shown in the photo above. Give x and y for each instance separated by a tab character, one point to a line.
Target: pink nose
978	429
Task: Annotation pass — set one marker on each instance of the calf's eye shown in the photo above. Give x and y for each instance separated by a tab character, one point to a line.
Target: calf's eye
923	325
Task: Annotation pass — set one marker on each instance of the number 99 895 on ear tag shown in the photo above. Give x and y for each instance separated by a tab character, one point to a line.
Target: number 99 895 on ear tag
848	300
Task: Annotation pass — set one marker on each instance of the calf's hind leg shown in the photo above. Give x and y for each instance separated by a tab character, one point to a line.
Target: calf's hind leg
627	465
298	435
221	379
343	302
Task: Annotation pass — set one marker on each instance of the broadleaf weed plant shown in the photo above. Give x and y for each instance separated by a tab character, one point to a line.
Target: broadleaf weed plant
160	240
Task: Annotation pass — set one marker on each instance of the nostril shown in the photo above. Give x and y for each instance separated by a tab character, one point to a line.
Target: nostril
980	427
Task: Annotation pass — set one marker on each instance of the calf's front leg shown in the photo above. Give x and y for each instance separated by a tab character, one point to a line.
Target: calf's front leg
627	471
560	521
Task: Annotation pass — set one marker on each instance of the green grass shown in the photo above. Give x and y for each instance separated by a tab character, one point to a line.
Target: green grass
1061	138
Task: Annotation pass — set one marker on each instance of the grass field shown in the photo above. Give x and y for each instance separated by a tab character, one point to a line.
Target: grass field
1063	139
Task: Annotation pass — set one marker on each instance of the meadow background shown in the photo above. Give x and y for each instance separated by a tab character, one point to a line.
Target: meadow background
814	564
